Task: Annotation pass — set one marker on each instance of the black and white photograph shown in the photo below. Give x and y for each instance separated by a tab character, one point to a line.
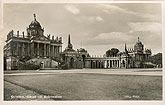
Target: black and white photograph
82	51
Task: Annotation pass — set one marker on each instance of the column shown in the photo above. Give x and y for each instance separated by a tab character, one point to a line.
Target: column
55	51
17	52
44	50
105	64
49	50
32	49
28	49
38	49
60	48
23	49
116	63
112	63
119	64
52	51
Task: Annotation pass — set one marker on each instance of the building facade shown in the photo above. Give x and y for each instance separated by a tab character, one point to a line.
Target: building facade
136	57
32	49
73	59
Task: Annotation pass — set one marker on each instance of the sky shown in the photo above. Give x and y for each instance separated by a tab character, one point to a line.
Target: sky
93	26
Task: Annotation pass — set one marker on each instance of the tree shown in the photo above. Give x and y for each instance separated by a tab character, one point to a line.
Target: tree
156	59
111	53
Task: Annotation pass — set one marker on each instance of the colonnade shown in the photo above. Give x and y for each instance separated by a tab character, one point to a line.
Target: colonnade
112	64
94	63
45	50
35	49
97	64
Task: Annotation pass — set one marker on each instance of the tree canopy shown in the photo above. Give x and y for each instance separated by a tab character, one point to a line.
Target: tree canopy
112	52
156	59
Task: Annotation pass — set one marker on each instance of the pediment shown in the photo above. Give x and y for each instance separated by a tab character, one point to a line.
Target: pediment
41	38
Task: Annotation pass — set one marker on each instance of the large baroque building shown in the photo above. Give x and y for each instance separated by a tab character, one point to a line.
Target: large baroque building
34	50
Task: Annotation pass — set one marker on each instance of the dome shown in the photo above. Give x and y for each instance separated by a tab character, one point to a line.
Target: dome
138	46
138	43
35	23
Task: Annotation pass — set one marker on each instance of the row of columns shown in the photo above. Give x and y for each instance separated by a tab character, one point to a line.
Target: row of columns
97	64
105	64
48	50
20	49
112	64
35	49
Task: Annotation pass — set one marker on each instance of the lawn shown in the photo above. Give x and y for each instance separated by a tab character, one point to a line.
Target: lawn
91	86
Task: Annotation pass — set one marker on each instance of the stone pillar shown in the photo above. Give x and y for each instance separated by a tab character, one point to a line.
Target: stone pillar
52	51
44	50
105	64
38	49
60	48
49	50
112	63
28	49
57	51
17	48
23	49
116	63
119	64
32	49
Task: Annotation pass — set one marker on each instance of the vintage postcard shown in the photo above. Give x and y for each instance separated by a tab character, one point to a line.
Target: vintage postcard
82	51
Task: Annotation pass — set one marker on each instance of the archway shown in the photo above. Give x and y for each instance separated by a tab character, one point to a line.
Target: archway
72	63
123	62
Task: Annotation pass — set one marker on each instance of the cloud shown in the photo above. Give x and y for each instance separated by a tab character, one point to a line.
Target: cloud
146	26
110	9
98	18
111	38
73	9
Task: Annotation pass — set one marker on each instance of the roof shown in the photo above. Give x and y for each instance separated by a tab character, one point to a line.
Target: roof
35	23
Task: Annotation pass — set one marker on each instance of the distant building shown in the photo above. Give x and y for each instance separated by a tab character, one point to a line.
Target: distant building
130	58
34	50
73	59
31	49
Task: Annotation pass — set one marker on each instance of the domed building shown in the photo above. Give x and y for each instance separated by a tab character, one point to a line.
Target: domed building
135	57
32	50
138	55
